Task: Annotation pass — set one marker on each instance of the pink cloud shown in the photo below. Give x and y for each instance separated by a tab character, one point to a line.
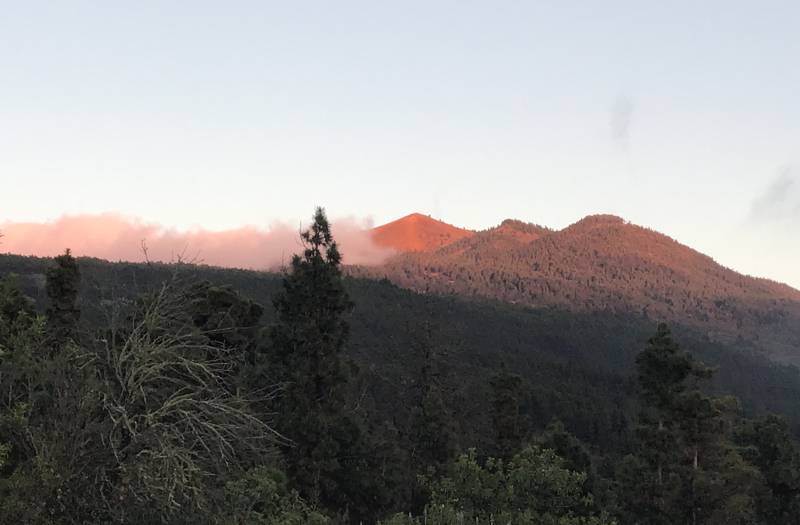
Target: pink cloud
116	238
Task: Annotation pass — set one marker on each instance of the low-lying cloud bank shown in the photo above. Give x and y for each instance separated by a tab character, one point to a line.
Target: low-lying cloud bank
117	238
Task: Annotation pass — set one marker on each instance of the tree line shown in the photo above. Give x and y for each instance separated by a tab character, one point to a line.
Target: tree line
184	409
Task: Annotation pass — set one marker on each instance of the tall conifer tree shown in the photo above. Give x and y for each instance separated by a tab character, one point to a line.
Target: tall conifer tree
686	470
307	341
652	477
63	314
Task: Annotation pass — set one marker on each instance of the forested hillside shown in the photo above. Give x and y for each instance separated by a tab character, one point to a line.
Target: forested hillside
603	263
562	354
151	393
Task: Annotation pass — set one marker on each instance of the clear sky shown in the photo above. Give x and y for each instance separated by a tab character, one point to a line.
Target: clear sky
682	116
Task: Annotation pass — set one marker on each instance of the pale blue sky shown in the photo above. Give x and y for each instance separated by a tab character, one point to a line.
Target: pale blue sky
676	115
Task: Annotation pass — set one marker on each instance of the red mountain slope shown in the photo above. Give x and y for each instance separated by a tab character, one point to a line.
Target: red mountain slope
605	263
417	233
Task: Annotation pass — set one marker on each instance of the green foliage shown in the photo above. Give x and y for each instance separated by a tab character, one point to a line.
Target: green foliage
22	336
725	490
574	453
46	414
232	322
262	497
224	315
532	488
138	428
172	422
686	468
769	446
3	454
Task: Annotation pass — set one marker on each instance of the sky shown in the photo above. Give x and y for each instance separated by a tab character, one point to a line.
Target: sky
680	116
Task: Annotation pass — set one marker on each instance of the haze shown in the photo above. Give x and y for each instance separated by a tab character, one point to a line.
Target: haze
682	116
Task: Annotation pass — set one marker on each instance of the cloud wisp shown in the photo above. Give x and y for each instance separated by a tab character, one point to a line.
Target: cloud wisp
620	120
780	202
116	238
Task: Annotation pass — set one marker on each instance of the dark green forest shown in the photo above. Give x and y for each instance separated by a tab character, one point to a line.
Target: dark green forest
154	393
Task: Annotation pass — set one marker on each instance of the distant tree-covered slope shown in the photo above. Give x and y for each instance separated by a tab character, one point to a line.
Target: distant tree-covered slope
576	365
603	263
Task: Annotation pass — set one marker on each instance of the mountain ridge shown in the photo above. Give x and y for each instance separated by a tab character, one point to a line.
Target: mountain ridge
529	232
603	262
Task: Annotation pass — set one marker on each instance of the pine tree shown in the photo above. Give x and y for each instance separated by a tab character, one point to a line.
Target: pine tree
686	469
654	474
63	314
718	485
327	446
663	369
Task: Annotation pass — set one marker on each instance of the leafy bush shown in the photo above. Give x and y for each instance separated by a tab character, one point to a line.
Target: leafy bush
534	488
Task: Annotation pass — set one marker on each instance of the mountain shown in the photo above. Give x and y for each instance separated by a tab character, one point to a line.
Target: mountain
418	233
605	263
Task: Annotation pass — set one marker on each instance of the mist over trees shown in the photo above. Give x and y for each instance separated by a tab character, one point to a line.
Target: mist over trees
189	402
